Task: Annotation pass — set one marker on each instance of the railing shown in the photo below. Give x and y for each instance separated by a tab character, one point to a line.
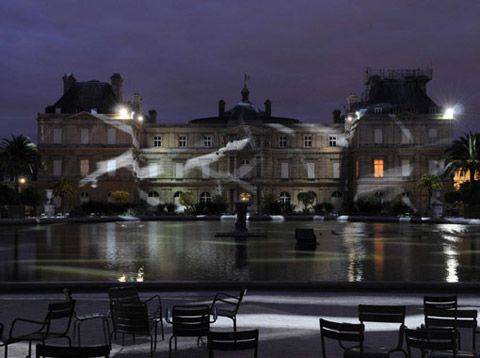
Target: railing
398	74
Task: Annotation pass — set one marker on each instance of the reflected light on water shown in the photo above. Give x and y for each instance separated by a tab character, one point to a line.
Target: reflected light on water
355	251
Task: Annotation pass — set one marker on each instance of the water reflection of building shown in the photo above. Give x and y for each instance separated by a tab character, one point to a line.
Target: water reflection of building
94	137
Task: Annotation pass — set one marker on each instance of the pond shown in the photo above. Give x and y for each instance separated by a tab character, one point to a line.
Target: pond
189	251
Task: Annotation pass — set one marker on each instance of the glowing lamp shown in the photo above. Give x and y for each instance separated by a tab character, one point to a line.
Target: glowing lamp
123	112
245	197
449	113
22	180
140	118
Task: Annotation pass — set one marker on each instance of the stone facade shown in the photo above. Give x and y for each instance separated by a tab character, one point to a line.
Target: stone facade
244	149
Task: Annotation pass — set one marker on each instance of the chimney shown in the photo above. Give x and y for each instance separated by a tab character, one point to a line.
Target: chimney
136	102
117	83
337	116
68	82
221	108
268	108
152	116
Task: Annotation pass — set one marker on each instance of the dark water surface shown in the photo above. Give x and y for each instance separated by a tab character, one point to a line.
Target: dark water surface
188	251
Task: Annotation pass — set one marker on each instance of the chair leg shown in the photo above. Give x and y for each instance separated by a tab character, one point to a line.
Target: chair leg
156	332
234	324
170	346
161	327
6	350
151	347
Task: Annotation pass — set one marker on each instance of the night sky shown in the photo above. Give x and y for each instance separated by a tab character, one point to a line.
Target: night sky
183	56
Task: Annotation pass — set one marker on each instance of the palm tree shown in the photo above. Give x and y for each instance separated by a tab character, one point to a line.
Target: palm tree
464	156
65	189
18	156
431	183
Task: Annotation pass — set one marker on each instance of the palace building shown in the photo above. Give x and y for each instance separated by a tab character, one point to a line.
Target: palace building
381	146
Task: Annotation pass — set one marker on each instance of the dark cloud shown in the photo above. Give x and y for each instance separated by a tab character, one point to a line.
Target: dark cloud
183	56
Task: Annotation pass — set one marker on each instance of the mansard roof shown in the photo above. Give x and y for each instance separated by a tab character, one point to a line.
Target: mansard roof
401	90
85	96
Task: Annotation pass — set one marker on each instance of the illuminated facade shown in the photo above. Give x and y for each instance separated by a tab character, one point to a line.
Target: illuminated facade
396	134
381	147
240	151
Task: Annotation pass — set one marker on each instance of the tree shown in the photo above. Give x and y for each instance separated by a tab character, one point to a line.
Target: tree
65	189
307	198
430	183
19	156
188	200
464	156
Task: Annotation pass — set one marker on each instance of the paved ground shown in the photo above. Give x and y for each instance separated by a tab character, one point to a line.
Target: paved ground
288	321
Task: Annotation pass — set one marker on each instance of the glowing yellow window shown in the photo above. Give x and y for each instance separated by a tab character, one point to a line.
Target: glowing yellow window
378	168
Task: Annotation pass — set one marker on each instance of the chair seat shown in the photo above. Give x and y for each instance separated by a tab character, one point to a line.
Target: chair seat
459	354
368	352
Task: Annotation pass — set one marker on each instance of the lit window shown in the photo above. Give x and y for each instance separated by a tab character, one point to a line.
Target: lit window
332	141
307	141
182	141
111	167
157	141
111	136
284	171
207	141
378	136
284	198
84	136
378	168
57	136
282	141
205	198
84	167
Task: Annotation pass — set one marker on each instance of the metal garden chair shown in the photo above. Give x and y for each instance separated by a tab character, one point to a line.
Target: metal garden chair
233	341
58	314
189	321
129	294
352	334
384	314
226	305
132	319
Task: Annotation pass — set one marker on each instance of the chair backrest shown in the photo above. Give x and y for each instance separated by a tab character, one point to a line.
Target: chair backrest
191	321
341	332
376	313
60	314
124	294
243	292
305	235
445	302
431	339
233	341
72	352
130	318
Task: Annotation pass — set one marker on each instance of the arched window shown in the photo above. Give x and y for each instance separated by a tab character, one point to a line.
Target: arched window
153	194
84	194
405	194
177	194
379	194
205	198
336	194
284	197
